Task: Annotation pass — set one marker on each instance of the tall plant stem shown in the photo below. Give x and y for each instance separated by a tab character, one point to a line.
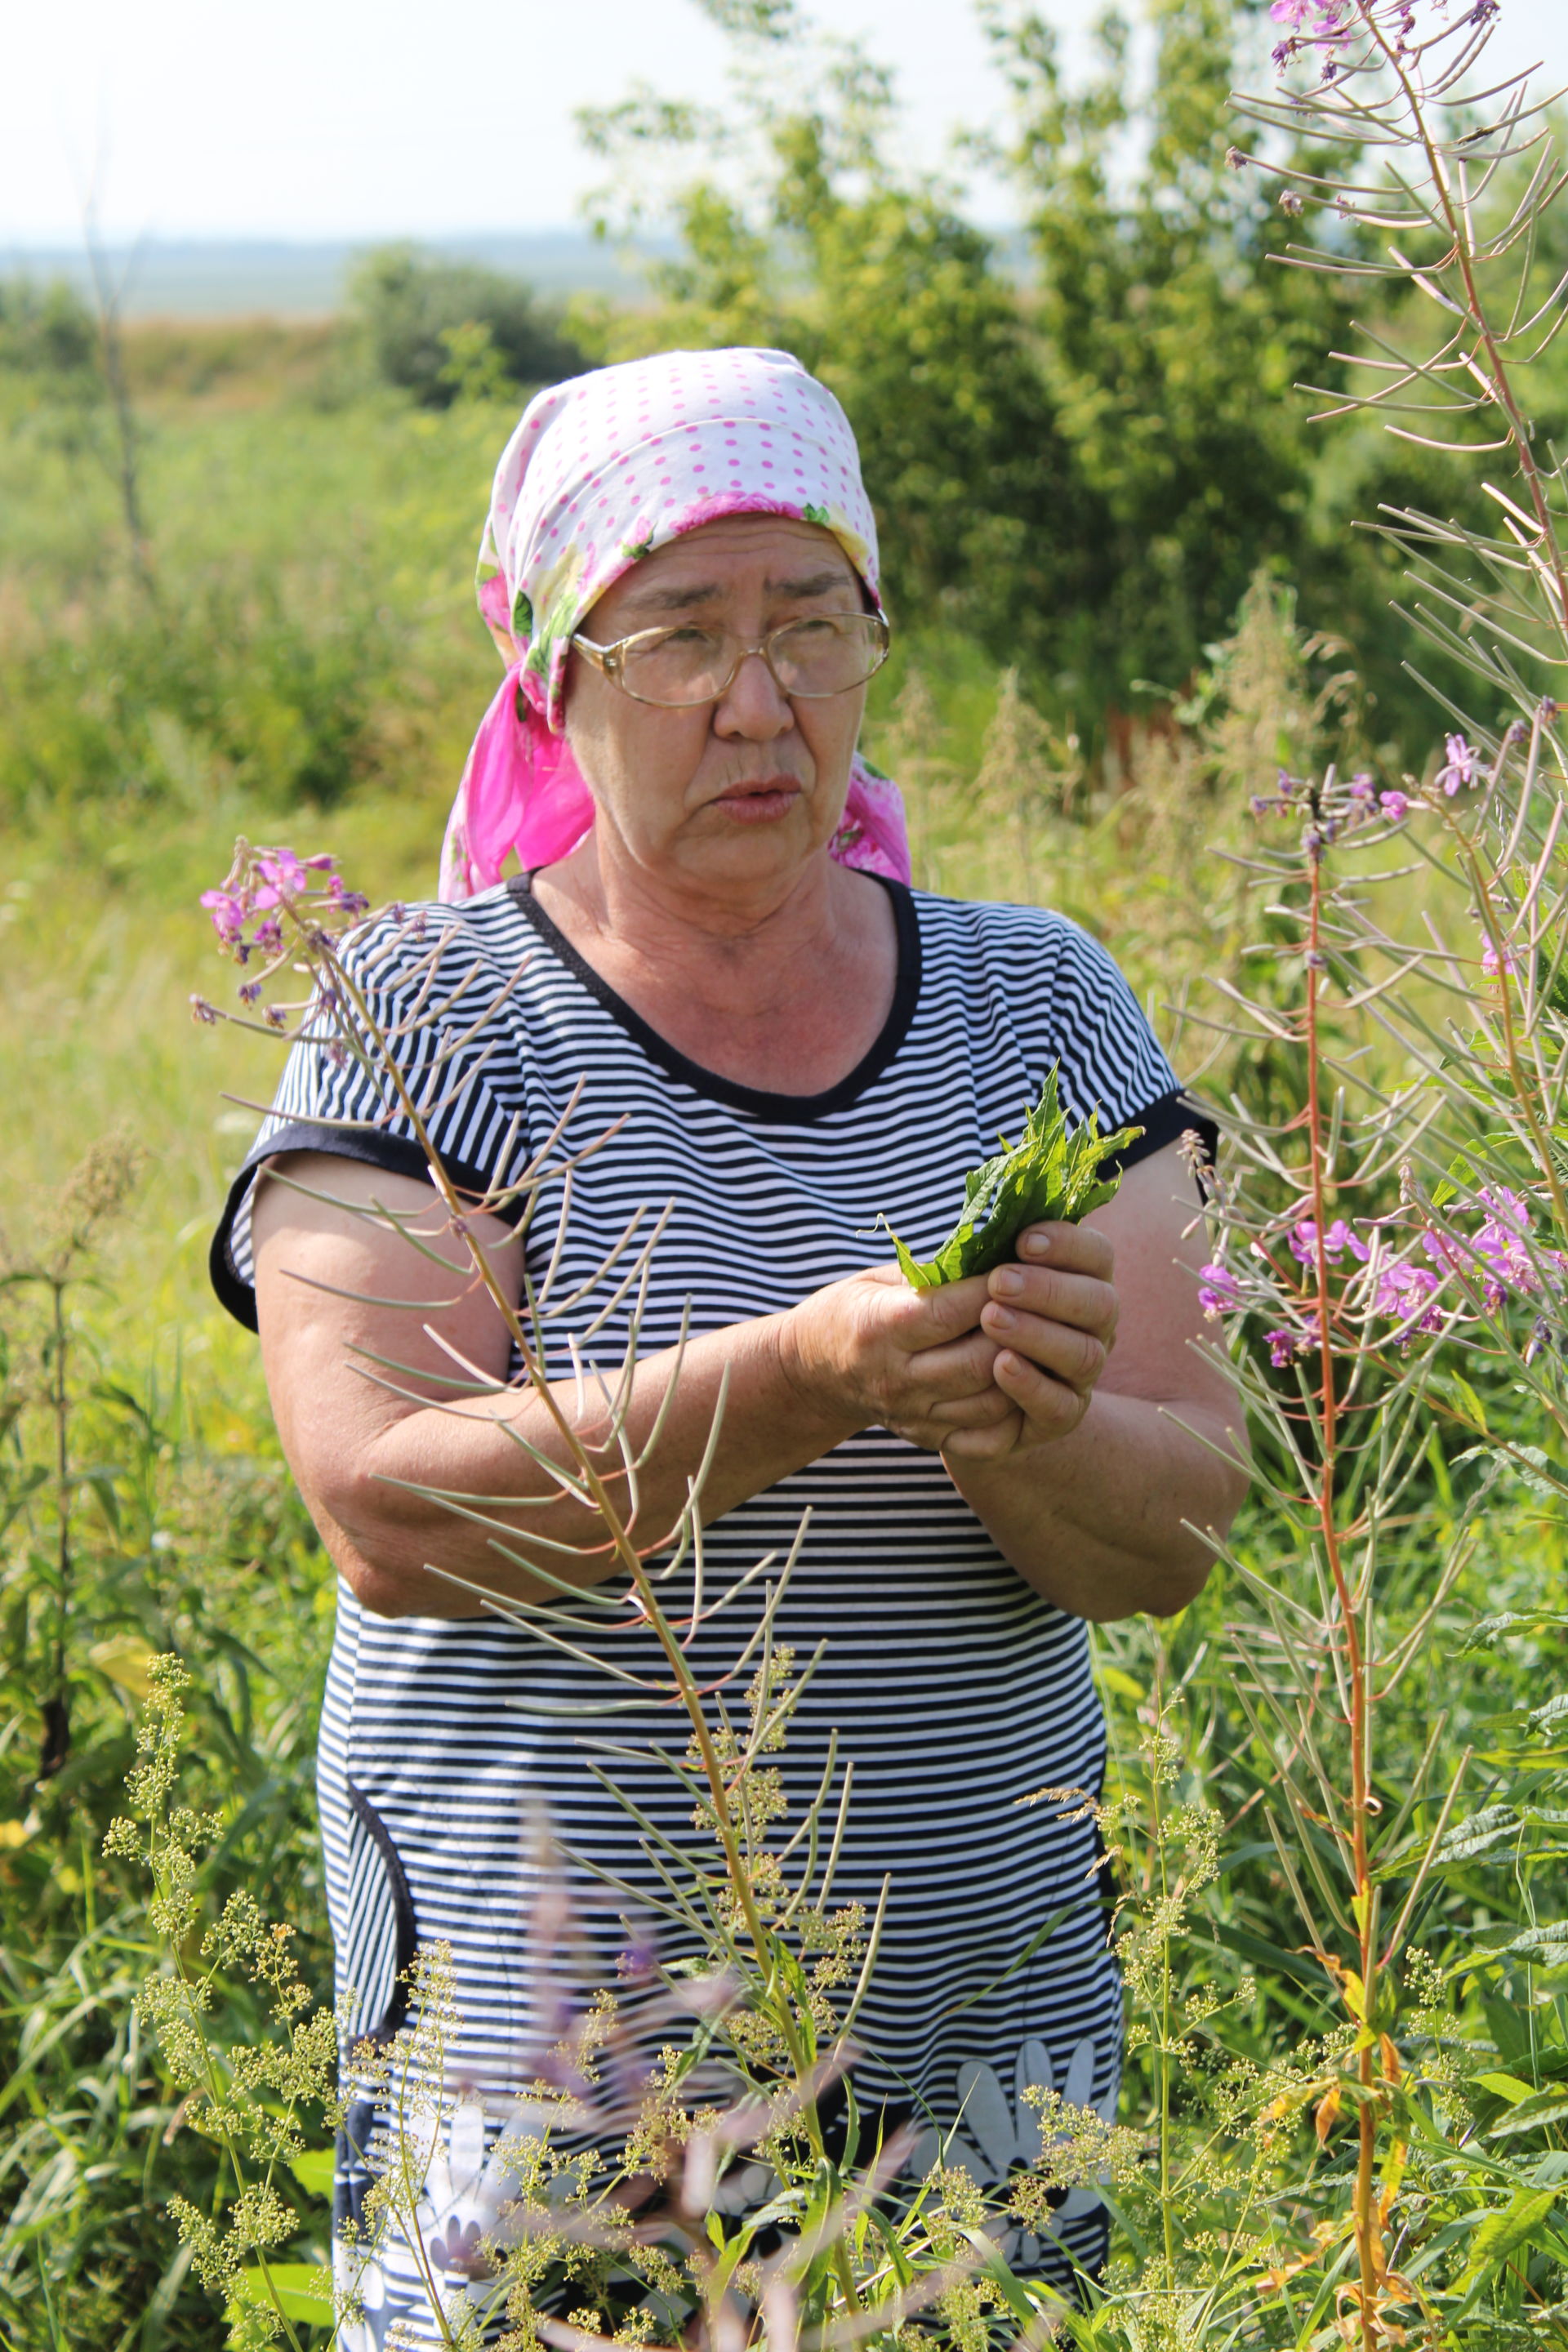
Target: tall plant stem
1368	2227
630	1559
56	1744
1524	1093
1464	259
1159	1822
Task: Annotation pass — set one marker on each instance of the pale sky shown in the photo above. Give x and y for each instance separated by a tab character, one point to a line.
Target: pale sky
382	118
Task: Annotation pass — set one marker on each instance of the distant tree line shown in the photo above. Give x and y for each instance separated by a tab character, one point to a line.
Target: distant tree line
1079	467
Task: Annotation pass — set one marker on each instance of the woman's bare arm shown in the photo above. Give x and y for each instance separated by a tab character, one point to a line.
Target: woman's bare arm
864	1353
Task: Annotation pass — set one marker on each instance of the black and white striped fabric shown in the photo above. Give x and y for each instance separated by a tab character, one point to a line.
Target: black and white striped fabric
957	1690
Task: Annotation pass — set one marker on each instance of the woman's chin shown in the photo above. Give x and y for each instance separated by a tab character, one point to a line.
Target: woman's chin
752	838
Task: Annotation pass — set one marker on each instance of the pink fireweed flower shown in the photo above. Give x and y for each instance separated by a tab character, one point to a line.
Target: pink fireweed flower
1394	805
1218	1293
282	869
1282	1347
228	914
1493	965
1337	1238
1461	766
1408	1294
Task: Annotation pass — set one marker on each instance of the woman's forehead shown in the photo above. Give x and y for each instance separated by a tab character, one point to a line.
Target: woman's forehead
779	552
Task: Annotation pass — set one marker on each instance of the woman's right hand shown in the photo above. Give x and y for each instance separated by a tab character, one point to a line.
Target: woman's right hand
871	1350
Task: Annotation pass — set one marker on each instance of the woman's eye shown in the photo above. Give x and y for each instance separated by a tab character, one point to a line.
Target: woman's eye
689	637
814	624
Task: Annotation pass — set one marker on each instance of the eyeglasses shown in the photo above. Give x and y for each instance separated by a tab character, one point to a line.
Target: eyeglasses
820	655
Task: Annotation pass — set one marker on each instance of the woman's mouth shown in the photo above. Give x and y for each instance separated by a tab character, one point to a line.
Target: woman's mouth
760	803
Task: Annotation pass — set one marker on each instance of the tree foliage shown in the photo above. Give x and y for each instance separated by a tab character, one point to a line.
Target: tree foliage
420	315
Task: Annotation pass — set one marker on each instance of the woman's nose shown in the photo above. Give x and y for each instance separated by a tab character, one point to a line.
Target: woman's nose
754	704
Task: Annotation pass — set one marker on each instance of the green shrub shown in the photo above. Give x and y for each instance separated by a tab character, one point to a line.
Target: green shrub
410	305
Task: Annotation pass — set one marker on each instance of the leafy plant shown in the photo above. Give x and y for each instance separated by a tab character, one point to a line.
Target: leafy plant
1051	1172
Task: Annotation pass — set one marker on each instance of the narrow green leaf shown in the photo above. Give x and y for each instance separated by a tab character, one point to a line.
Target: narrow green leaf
1501	2234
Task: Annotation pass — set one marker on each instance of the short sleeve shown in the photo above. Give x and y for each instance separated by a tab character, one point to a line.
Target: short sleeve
1108	1058
432	993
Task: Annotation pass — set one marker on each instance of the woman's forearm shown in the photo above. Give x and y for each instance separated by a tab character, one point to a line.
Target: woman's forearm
387	1537
1101	1521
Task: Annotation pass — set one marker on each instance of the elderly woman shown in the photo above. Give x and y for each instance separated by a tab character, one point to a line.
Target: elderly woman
712	933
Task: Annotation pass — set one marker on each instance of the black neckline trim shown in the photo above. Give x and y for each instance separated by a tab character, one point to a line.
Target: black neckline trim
775	1110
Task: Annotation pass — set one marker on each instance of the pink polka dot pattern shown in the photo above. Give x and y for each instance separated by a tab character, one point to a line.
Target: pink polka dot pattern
600	472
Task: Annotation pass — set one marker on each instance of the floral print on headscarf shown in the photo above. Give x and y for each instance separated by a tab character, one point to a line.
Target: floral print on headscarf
601	471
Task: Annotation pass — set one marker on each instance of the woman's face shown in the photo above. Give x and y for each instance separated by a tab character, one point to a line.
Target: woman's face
739	792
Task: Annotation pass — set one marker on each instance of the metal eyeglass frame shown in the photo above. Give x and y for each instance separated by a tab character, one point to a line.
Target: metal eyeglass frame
611	660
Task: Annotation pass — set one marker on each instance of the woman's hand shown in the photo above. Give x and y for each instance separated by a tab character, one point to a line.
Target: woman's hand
975	1368
1051	1319
868	1351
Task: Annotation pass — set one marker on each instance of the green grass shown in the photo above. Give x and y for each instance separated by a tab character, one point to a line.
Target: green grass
312	640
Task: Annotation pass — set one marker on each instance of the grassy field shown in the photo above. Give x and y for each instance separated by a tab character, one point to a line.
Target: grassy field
302	663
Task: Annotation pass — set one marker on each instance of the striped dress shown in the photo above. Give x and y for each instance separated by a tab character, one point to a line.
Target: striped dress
956	1688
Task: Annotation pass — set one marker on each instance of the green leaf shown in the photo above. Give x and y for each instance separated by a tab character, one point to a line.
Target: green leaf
1052	1175
313	2170
301	2291
1543	2107
1501	2234
1506	2087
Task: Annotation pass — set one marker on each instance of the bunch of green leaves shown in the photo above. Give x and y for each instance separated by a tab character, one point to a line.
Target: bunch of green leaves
1053	1173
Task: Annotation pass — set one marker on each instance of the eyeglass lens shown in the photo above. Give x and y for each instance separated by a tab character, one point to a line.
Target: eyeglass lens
822	655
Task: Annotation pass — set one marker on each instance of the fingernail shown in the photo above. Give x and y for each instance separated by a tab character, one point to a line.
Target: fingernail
1006	1282
998	1318
1036	1244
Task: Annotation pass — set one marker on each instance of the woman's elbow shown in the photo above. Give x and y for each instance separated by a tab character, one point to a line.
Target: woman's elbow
370	1551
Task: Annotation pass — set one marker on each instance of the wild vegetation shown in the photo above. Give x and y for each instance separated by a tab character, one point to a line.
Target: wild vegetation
1147	673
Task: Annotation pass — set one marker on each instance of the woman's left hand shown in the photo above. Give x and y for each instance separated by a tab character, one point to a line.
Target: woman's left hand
1052	1315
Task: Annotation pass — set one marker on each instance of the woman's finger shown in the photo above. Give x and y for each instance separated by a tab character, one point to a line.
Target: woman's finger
979	1410
1050	1407
1072	1356
1059	1294
993	1444
1081	1249
957	1370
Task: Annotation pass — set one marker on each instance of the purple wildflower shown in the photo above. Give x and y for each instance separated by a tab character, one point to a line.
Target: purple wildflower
202	1011
269	936
1493	965
228	915
1217	1293
1461	766
250	992
1281	1347
1337	1238
1406	1292
276	1017
282	869
1361	787
1394	805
